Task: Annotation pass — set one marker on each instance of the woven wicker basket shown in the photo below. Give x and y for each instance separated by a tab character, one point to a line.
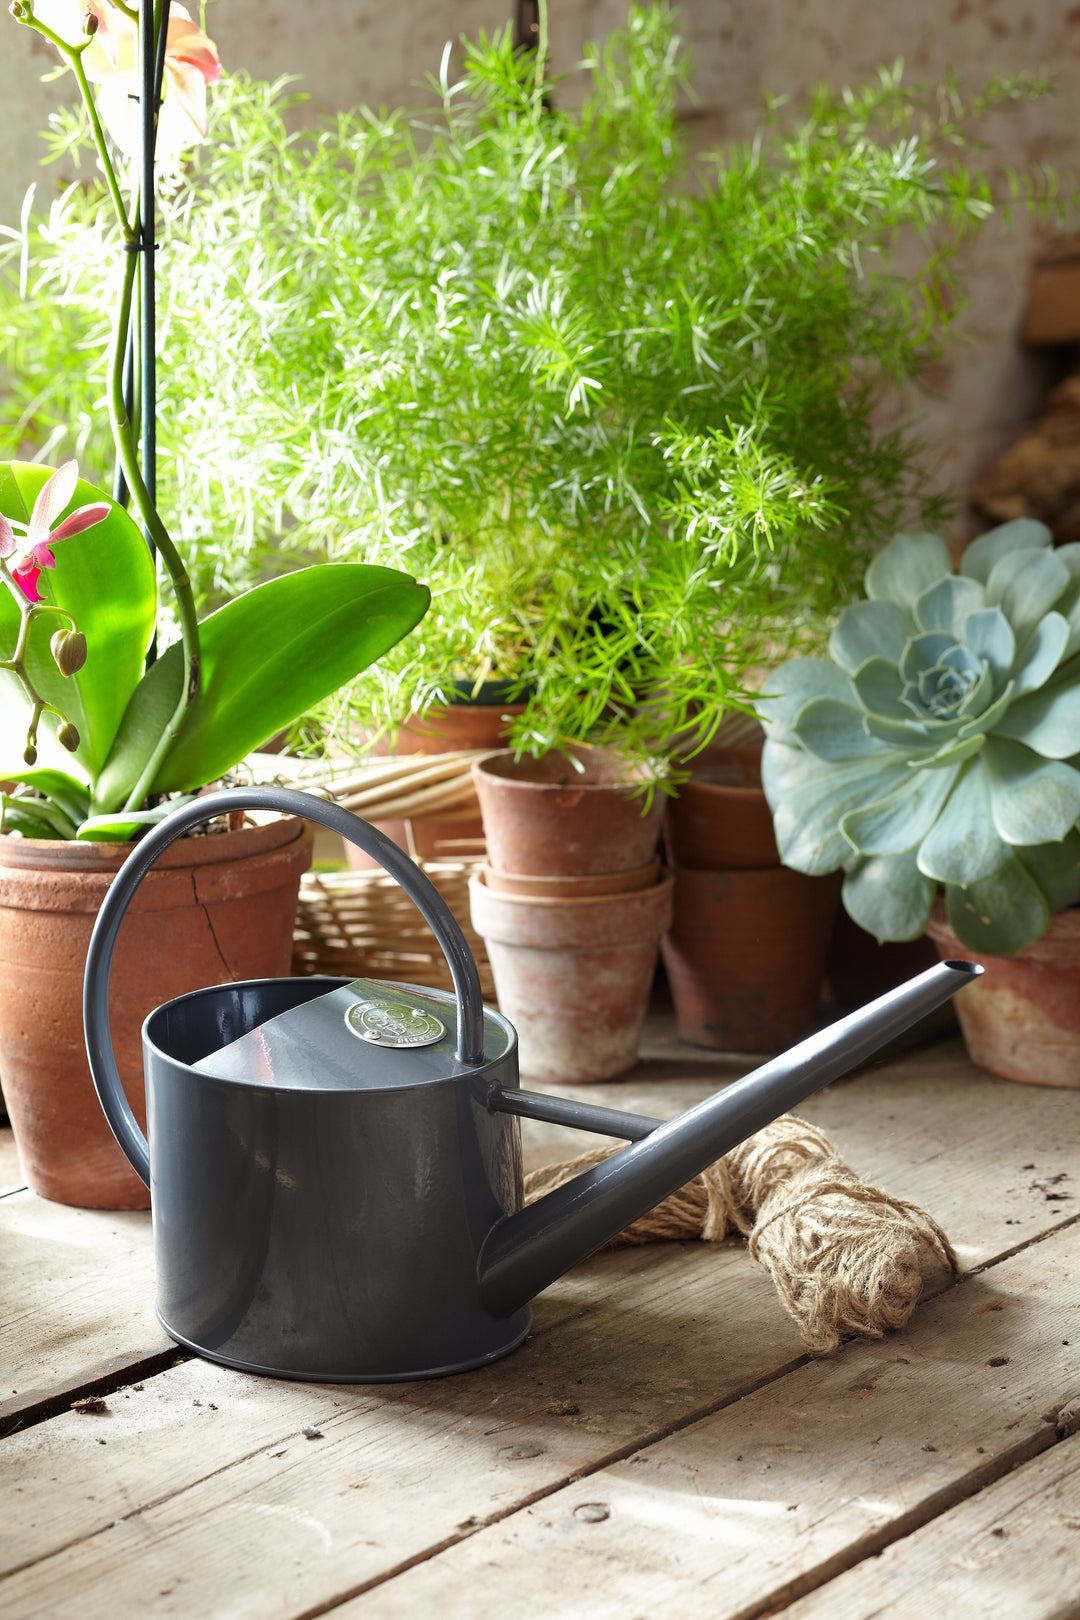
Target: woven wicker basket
363	924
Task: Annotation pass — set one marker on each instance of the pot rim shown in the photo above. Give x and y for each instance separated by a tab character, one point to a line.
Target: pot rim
665	880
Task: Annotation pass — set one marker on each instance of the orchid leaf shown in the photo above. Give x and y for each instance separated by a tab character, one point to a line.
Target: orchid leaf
31	818
105	578
129	825
267	658
1023	534
1034	800
907	567
70	796
1000	914
963	846
888	896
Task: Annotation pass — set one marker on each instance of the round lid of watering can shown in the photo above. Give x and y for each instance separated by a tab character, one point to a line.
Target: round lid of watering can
366	1036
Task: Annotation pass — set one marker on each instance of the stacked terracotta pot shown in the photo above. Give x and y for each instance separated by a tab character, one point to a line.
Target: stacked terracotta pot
746	953
571	904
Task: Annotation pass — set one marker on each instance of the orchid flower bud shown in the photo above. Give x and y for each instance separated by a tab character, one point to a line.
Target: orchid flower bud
17	10
69	651
29	754
90	23
68	737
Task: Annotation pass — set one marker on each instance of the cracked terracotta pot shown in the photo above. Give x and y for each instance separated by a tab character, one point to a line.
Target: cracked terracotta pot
214	908
1021	1020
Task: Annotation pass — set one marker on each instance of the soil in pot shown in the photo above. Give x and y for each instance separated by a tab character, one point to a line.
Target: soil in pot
1021	1020
746	954
573	976
214	908
573	814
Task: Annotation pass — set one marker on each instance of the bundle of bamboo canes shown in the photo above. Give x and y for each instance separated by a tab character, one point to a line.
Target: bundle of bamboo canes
405	786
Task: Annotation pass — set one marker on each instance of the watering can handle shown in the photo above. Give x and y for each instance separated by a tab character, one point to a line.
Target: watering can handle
430	904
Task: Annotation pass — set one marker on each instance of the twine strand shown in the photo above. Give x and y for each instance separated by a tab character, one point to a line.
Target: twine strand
845	1257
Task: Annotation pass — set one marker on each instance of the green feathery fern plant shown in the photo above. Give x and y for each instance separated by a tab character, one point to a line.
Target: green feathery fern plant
617	407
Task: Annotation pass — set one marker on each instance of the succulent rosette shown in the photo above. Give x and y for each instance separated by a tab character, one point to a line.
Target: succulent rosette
941	745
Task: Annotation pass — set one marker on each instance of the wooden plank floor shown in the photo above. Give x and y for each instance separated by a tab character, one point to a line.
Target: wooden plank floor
660	1445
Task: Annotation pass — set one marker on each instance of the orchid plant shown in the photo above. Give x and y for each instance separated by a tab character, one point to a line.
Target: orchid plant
132	727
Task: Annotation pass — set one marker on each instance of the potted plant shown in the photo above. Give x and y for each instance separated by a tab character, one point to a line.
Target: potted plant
100	737
596	391
934	757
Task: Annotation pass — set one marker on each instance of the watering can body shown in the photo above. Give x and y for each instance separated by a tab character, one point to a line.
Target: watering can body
359	1219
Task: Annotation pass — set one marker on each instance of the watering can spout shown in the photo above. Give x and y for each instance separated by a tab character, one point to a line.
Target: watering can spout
531	1248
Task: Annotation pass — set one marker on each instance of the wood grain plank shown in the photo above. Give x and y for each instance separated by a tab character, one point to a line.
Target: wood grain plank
11	1176
727	1512
1012	1551
78	1293
742	1512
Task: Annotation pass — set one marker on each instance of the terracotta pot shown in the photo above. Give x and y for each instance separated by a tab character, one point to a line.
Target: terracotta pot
543	817
858	969
212	909
573	976
746	956
443	730
721	820
571	888
1021	1020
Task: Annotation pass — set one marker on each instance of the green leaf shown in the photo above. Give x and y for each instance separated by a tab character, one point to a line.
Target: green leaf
809	796
1000	914
915	737
1043	652
867	629
954	753
1023	534
1034	800
68	794
30	817
888	896
266	659
923	653
898	823
129	824
948	603
908	566
791	686
105	577
878	687
834	730
1026	584
985	723
1056	869
989	636
962	846
1047	720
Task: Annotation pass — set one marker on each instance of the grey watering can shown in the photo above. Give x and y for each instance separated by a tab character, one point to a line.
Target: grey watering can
335	1164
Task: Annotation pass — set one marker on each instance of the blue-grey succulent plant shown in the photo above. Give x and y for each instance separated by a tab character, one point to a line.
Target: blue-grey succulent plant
941	745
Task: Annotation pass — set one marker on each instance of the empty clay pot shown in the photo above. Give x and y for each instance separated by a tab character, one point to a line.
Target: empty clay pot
545	816
571	888
720	820
442	730
746	955
1021	1019
212	909
573	976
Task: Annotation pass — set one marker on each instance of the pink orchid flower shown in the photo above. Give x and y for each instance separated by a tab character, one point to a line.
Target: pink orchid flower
34	551
191	63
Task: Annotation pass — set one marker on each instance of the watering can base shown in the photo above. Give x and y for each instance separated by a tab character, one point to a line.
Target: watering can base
519	1326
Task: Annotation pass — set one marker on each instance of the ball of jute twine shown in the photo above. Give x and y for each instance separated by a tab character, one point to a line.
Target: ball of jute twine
846	1258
